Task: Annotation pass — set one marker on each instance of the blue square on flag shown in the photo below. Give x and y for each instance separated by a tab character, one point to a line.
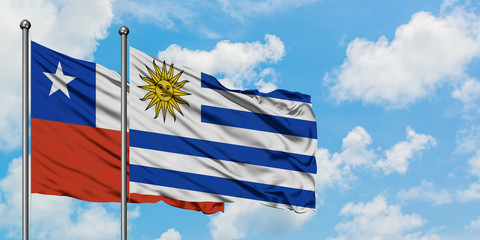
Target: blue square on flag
63	88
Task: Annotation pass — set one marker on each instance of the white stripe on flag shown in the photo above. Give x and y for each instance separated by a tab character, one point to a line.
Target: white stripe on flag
108	98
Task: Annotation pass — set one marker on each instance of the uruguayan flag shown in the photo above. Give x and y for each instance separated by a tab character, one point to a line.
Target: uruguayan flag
194	140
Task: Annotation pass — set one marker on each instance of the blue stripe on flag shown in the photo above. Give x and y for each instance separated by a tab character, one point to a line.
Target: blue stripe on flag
212	83
222	186
223	151
259	121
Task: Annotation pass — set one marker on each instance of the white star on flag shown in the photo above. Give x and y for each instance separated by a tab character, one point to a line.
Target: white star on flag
59	81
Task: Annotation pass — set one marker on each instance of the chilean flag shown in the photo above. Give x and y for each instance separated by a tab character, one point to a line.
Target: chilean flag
75	131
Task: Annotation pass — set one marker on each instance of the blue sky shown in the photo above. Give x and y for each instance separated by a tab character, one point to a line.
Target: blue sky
395	89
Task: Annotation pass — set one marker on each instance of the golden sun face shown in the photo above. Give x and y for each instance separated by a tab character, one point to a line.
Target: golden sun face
164	90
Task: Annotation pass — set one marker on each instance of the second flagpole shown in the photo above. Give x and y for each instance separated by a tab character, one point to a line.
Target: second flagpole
25	26
123	31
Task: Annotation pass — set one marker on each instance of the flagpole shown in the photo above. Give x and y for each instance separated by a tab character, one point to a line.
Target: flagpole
25	26
123	31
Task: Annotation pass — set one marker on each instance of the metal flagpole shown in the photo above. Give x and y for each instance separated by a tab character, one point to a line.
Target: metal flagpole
123	31
25	26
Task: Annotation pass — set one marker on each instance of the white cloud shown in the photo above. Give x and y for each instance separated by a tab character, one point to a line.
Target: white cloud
331	171
250	218
11	198
238	63
473	192
448	5
426	52
342	43
468	93
242	9
470	194
425	192
170	234
474	226
162	13
52	217
468	140
91	222
474	163
170	14
397	157
420	236
337	168
265	87
190	14
268	78
72	27
133	213
378	220
355	150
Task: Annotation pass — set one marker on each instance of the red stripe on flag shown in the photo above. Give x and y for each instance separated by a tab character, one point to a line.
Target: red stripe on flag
205	207
84	163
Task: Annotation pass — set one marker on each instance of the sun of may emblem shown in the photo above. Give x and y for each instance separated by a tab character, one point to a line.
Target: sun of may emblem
164	90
